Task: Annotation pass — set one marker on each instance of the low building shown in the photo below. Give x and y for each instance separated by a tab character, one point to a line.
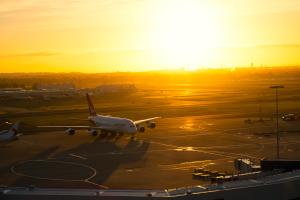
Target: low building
115	88
54	86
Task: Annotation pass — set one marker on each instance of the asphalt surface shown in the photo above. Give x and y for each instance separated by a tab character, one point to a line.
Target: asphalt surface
163	157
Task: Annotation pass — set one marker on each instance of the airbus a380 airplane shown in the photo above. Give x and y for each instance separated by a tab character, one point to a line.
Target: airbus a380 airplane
109	124
11	134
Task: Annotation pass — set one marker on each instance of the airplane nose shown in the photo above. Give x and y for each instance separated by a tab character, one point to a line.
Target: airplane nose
133	130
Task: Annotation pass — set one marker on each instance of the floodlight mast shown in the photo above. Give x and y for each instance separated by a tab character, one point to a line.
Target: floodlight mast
276	87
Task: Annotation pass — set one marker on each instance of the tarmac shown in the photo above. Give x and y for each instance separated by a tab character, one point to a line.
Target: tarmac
164	157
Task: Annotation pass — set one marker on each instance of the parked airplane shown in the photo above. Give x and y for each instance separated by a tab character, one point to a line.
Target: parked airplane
11	134
109	124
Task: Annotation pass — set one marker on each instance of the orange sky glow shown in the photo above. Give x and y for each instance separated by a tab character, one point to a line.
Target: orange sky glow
142	35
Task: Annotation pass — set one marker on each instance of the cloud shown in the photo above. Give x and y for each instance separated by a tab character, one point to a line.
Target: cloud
37	8
28	12
279	46
33	54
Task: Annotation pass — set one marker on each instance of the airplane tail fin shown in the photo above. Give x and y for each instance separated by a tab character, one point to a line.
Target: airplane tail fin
14	128
91	106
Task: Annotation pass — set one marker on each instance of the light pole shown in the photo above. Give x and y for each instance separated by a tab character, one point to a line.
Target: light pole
276	87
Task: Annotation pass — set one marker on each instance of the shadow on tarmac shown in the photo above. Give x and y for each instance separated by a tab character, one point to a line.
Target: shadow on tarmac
105	156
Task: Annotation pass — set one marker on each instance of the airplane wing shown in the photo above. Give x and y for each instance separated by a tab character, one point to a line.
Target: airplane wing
145	120
75	127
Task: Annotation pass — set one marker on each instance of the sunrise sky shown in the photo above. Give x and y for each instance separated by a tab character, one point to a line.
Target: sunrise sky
140	35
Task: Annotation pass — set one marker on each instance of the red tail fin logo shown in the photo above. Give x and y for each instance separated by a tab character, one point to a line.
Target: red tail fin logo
91	106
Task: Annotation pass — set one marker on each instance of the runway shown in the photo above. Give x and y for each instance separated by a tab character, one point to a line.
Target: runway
160	158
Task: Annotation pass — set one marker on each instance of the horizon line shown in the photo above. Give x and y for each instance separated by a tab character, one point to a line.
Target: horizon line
162	70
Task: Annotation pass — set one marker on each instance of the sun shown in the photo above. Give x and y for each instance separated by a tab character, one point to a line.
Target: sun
184	33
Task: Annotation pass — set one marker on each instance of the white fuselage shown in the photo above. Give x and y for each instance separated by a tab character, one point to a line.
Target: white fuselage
115	124
7	135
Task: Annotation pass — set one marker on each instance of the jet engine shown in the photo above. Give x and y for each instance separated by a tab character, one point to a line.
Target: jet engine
70	131
93	132
151	125
141	129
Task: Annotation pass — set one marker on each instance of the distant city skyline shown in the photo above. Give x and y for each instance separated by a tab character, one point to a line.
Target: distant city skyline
123	35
